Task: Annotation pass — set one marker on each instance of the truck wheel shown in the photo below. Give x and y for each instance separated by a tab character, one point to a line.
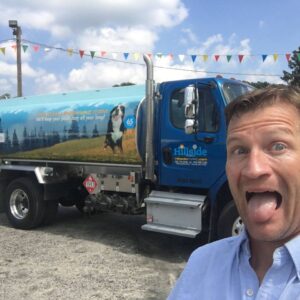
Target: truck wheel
230	223
24	204
50	212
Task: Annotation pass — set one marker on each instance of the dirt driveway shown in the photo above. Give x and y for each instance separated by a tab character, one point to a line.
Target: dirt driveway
103	257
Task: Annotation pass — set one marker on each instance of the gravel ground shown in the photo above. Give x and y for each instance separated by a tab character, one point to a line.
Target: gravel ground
106	256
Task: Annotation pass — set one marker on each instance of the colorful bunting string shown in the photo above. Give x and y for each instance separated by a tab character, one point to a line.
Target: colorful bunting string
36	47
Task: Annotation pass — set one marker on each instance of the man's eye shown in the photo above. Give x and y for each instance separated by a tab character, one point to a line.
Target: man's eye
239	151
278	147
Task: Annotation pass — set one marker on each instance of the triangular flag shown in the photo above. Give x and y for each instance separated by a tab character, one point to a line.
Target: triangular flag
81	53
92	53
25	47
47	49
241	56
14	47
298	55
126	54
205	57
288	56
228	57
2	50
193	57
70	51
264	56
170	56
114	55
36	48
158	55
275	56
103	53
136	56
217	57
181	57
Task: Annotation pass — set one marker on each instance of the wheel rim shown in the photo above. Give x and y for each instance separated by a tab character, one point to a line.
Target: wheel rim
19	204
238	226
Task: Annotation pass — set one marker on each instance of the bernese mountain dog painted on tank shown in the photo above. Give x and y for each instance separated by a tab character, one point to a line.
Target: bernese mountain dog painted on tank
115	129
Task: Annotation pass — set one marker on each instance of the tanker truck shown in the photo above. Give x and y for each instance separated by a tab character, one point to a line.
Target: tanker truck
152	149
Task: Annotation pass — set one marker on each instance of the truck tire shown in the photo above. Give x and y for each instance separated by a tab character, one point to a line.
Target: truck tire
50	212
230	223
24	204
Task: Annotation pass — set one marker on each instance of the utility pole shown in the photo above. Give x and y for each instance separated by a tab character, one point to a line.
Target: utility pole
17	31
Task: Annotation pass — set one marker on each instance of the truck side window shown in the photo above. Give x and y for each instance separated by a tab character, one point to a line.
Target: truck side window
208	113
177	109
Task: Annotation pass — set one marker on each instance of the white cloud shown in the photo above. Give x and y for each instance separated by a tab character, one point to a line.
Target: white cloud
62	18
118	39
48	83
105	74
189	36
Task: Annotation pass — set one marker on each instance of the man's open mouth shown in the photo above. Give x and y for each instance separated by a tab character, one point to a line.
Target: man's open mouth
274	194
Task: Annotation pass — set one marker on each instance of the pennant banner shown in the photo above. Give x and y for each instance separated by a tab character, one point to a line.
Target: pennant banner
264	56
136	56
241	57
25	47
81	53
70	51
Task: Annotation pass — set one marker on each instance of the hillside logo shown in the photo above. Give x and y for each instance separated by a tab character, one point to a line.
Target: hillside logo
194	151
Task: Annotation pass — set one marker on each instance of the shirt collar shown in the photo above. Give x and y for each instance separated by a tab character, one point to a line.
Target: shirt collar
293	247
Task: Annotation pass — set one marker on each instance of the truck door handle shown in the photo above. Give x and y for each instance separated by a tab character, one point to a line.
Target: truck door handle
208	139
167	155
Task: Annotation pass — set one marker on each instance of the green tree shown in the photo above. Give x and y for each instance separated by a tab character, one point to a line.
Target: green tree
123	84
293	78
259	84
5	96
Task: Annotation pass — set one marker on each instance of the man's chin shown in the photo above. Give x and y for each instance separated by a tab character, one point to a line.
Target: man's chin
264	233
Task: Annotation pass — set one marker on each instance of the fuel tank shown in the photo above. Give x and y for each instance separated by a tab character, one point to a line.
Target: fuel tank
87	126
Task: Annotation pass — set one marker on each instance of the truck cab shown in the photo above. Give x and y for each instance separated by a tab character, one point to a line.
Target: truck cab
192	161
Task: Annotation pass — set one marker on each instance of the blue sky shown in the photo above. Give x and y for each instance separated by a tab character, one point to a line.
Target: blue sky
180	27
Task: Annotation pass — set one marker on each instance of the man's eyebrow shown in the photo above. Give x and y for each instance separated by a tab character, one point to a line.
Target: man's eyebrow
231	139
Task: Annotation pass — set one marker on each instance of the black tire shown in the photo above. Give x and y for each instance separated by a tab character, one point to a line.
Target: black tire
50	212
230	223
80	205
24	204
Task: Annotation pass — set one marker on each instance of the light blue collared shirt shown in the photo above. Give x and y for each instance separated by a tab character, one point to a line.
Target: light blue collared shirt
221	270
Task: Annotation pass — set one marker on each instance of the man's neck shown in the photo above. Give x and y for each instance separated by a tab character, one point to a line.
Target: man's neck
262	256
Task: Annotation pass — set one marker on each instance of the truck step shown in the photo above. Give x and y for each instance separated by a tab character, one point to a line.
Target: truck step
190	233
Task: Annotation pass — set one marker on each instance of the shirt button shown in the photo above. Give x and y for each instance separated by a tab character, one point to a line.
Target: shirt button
249	292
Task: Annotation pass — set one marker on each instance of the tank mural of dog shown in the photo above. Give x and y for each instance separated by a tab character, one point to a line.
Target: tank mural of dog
71	131
115	129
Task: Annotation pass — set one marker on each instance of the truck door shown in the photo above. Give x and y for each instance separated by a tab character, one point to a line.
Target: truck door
191	160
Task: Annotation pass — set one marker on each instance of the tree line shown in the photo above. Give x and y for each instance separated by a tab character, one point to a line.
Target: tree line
39	138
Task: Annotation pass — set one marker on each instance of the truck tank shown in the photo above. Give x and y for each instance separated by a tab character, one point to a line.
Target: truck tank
89	126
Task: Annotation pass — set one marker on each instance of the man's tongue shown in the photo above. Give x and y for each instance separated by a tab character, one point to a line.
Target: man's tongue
262	206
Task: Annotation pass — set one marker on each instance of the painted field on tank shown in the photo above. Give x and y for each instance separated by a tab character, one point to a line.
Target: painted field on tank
91	126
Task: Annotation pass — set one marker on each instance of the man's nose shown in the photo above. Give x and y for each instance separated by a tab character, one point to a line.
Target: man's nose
256	164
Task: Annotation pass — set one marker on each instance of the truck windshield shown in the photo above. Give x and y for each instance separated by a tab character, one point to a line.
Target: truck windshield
232	90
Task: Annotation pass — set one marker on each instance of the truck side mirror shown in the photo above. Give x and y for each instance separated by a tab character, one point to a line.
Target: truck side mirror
190	111
189	126
191	101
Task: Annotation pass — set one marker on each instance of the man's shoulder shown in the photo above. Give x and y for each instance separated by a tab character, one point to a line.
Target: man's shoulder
217	249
